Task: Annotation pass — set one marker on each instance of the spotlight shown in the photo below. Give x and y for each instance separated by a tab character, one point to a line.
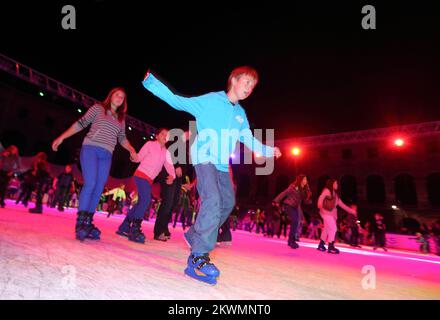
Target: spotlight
41	93
394	207
296	151
79	110
399	142
129	128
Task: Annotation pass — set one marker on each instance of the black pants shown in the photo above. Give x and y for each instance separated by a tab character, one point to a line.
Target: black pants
164	214
60	196
25	194
225	232
354	238
282	229
40	188
4	181
379	238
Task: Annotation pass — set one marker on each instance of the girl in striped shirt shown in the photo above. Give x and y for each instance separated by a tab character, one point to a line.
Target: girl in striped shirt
107	121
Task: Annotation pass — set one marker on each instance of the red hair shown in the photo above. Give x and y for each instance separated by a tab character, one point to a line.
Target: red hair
243	70
122	109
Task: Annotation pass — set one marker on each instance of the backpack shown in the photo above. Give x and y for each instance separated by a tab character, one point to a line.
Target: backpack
330	203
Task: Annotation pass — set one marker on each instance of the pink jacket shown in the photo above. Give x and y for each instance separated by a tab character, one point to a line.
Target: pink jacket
152	157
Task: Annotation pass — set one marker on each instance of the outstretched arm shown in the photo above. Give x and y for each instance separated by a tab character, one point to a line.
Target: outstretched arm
191	105
254	144
77	126
345	207
281	196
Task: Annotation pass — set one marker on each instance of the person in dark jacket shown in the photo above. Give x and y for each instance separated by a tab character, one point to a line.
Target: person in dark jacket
292	199
379	231
41	173
63	185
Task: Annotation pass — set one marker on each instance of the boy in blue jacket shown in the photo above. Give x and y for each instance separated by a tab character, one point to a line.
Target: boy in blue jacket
221	122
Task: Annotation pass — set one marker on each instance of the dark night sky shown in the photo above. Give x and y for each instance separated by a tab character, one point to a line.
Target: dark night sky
320	71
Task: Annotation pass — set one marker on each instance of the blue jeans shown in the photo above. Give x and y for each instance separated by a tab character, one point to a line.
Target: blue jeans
294	214
217	201
144	198
95	165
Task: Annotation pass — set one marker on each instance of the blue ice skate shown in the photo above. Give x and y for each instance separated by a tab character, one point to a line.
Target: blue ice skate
124	228
201	269
85	228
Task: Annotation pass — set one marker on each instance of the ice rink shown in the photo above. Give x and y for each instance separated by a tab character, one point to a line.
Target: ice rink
40	259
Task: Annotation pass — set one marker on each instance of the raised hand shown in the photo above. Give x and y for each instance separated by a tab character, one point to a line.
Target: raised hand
277	152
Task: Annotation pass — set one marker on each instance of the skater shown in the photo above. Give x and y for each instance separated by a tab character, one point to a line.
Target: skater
260	219
182	193
292	199
234	217
379	231
9	163
153	156
314	229
184	209
164	213
63	184
327	205
283	222
353	224
117	200
42	181
107	122
213	112
224	237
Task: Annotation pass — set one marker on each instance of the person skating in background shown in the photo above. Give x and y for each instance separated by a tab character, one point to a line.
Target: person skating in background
328	202
184	207
164	212
292	199
353	224
14	185
42	180
436	236
379	231
260	219
107	121
215	112
118	197
284	222
63	184
103	200
153	156
315	228
9	164
234	217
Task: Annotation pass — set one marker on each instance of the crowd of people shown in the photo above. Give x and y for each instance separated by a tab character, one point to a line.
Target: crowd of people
37	185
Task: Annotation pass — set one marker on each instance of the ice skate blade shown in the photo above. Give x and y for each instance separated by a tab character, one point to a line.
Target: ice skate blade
190	273
122	234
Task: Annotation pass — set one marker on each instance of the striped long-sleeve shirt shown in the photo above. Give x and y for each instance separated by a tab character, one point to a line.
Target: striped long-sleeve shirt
106	130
